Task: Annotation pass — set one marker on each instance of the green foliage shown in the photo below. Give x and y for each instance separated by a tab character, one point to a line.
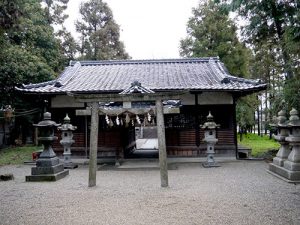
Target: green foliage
54	11
275	22
212	33
272	30
291	92
9	13
99	32
29	52
16	155
68	44
259	144
55	15
20	66
245	111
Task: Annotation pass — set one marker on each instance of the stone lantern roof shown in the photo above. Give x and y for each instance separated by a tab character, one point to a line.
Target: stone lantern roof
66	125
294	120
281	119
210	124
47	122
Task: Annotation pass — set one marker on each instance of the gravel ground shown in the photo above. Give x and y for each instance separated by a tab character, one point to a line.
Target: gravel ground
239	192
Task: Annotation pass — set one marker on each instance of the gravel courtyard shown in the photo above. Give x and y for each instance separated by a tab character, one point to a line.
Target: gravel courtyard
240	192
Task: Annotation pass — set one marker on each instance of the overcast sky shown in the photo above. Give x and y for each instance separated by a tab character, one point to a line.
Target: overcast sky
150	29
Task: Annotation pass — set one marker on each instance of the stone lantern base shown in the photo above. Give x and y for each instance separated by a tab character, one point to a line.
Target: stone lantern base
70	165
210	162
47	169
286	174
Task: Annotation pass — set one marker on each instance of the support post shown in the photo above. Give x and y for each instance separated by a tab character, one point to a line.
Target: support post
161	144
86	136
197	122
235	127
93	144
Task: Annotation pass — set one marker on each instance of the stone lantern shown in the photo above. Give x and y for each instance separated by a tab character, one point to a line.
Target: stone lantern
47	167
292	164
283	166
66	141
283	132
210	139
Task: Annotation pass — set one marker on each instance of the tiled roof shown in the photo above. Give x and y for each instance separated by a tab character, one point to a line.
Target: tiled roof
115	76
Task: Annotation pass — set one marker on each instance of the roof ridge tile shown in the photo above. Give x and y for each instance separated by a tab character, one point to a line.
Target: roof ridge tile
143	61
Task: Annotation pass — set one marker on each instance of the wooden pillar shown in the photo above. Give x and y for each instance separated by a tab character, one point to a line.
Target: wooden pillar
93	144
235	127
197	122
161	144
36	134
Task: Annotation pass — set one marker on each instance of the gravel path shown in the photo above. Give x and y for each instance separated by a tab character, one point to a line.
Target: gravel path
239	192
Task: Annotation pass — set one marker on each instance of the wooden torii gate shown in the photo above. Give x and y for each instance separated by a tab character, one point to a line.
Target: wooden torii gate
94	111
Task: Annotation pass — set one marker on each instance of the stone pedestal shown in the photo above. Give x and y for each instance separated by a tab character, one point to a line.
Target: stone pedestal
290	168
210	160
210	139
48	167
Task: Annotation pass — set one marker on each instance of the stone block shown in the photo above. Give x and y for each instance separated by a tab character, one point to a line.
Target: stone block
278	161
70	166
293	176
47	162
292	166
47	177
47	170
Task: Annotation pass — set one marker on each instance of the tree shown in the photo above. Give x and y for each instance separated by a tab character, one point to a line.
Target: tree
29	53
20	66
29	50
67	43
274	23
54	11
99	32
55	15
212	33
9	13
244	112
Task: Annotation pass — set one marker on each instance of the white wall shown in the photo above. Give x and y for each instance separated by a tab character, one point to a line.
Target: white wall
62	101
208	98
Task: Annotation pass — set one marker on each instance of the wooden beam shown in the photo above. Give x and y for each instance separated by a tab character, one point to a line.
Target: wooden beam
161	143
136	111
93	144
126	98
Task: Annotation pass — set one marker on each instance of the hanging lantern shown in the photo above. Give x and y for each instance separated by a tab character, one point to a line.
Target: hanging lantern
8	113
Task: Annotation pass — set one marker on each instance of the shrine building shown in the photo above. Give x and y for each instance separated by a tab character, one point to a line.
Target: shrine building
126	94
